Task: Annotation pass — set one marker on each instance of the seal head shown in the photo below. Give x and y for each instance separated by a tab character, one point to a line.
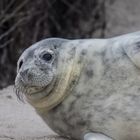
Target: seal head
43	69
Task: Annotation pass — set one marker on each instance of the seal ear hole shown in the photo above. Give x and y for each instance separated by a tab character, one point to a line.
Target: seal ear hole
20	63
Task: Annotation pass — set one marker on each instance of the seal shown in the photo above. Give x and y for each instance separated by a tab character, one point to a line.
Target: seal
86	88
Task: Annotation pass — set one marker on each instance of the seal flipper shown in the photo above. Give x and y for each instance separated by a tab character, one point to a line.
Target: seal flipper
132	49
96	136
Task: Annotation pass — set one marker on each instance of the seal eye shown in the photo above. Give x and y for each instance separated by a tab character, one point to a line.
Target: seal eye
47	56
20	64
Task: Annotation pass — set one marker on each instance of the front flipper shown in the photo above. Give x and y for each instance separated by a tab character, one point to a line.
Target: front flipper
96	136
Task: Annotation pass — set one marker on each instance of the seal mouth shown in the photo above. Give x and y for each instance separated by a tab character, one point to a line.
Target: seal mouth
28	91
32	92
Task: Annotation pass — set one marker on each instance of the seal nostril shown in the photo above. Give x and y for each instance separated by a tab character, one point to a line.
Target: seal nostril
20	63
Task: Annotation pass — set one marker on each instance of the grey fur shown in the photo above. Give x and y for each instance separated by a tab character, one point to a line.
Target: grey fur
104	94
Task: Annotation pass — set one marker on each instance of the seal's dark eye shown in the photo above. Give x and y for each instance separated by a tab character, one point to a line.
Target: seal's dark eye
20	64
47	56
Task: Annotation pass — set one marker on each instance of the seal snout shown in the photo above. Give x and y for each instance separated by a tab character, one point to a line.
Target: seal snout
24	74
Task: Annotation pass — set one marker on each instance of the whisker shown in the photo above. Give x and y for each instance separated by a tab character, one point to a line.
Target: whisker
19	94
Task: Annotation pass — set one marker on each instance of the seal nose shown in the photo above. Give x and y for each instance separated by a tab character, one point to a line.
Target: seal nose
24	75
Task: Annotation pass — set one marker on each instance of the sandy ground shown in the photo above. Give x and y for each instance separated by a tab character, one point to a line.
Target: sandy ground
18	121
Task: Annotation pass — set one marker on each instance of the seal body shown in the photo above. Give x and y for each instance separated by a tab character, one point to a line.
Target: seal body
105	97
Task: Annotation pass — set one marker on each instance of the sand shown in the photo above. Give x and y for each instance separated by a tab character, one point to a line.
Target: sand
19	121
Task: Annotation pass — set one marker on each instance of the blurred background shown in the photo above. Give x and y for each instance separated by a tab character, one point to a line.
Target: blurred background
23	22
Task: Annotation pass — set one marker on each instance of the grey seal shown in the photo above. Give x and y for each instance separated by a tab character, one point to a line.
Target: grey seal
85	88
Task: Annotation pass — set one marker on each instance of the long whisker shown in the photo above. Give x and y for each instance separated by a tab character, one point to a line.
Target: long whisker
19	94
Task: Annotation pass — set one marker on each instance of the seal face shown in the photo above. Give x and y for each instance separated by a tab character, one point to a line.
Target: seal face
37	72
36	69
43	69
79	86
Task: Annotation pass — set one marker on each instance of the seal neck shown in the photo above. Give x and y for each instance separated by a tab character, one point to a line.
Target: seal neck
70	72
